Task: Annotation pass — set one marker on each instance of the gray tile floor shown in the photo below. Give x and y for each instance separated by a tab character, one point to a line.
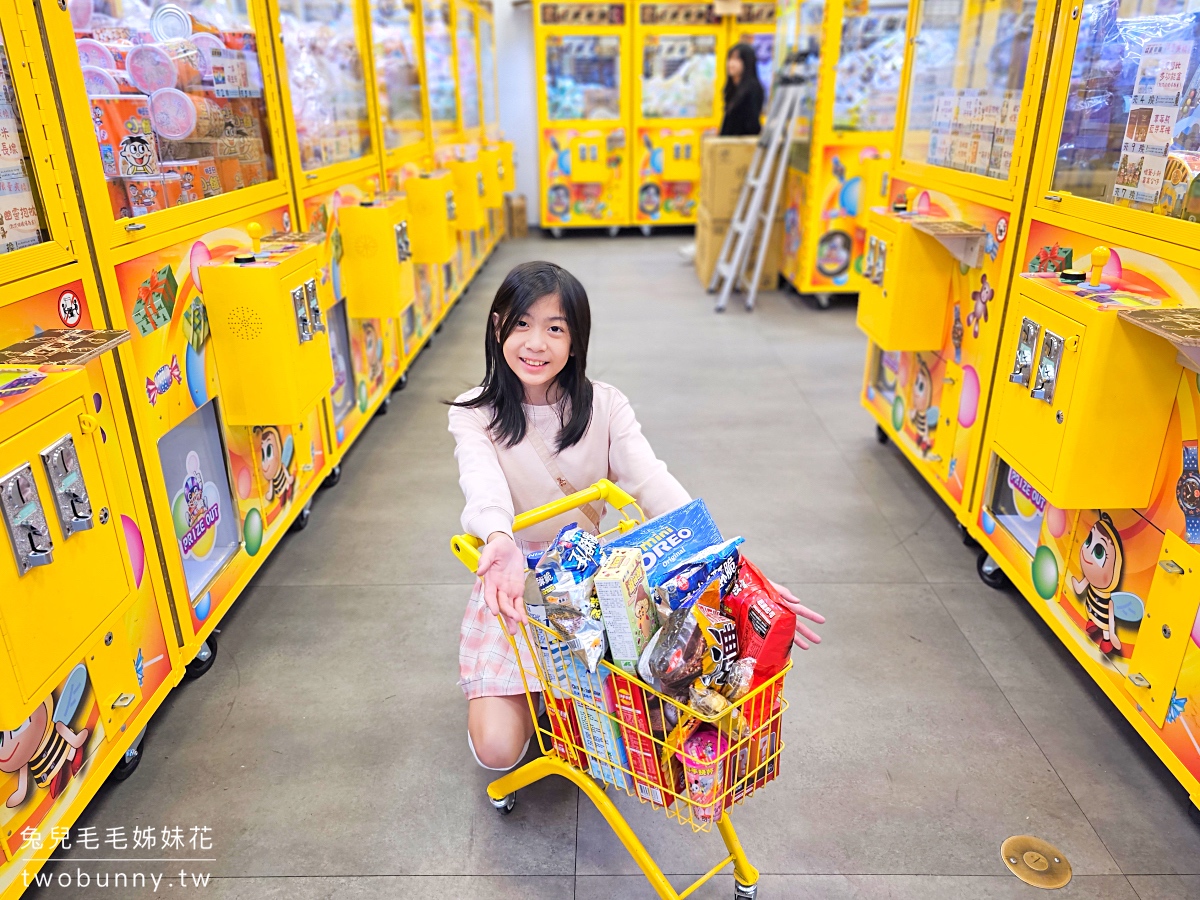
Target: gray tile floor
326	748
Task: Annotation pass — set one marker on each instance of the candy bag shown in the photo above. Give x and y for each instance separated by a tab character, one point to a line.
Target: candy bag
765	625
697	642
695	573
566	578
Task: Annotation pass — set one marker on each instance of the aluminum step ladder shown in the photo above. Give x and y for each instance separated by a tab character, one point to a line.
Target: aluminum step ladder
759	195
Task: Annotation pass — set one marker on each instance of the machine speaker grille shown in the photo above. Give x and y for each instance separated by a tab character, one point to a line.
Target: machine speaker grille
245	323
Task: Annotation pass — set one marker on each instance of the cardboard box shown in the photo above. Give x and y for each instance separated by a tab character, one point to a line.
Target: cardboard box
628	699
710	234
630	617
516	216
601	734
724	162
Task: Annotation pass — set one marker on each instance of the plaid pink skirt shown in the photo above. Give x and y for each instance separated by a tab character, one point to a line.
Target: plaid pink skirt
487	666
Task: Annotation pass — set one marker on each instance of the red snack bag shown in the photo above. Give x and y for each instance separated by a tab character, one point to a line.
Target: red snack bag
765	625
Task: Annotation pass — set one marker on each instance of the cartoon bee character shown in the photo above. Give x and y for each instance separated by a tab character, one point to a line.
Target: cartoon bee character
137	154
373	347
1101	561
281	483
42	747
922	403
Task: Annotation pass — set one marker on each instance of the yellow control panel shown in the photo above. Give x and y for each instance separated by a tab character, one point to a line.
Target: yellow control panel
469	191
491	161
377	270
431	201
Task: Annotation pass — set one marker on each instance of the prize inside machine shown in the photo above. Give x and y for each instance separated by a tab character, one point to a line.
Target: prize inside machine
835	159
337	171
680	52
581	50
496	155
395	37
463	159
187	175
938	256
441	88
90	645
755	25
1101	348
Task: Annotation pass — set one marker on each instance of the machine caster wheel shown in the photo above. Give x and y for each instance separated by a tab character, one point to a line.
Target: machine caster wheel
614	230
334	476
967	540
205	657
881	436
130	760
302	520
504	805
384	407
745	891
556	232
646	230
824	300
1194	812
990	572
438	330
401	383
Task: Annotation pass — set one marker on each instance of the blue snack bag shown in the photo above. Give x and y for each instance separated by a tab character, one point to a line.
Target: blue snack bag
684	582
671	539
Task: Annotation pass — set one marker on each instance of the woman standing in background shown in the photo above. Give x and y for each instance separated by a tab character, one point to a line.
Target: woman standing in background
743	93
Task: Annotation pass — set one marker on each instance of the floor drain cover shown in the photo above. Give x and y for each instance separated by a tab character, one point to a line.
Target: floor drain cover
1036	862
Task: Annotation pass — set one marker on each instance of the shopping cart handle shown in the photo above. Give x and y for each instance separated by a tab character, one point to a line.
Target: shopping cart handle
466	546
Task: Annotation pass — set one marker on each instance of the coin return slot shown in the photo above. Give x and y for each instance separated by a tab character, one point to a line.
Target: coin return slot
25	520
1023	363
67	485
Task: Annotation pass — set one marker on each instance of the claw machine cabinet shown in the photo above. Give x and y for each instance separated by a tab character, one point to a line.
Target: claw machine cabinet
334	158
1090	502
91	645
496	154
463	157
755	25
405	144
582	52
679	63
179	170
832	155
939	246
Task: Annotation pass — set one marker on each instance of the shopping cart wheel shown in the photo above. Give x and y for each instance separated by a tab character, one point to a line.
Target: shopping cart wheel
130	760
990	572
745	891
205	657
881	436
505	804
334	476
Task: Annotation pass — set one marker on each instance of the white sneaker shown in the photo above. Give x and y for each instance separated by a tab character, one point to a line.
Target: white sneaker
688	252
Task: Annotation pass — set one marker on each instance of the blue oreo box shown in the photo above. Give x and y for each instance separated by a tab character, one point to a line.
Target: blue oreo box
667	541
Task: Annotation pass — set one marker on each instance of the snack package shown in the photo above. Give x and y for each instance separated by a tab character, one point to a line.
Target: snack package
691	576
638	731
765	626
696	643
757	759
670	539
560	706
566	579
630	616
702	757
602	741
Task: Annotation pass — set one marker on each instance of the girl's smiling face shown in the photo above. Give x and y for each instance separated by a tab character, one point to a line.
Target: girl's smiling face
538	347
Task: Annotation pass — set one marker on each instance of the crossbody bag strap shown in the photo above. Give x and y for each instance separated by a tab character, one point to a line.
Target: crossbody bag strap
543	452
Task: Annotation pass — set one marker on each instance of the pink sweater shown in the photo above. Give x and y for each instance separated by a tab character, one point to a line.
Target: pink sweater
498	481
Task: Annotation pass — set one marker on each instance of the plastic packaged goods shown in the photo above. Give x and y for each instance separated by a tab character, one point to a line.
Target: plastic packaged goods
169	83
468	72
583	77
566	575
867	87
21	217
398	74
439	62
703	757
670	539
325	74
679	76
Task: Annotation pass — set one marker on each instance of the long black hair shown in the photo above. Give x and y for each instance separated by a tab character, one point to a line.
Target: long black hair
749	73
502	390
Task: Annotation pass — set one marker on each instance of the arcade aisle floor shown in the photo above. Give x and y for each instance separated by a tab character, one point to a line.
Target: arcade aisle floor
326	750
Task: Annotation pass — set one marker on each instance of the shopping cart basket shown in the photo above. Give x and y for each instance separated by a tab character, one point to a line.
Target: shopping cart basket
609	729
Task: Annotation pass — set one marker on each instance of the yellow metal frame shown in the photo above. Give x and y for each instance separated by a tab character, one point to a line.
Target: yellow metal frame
466	548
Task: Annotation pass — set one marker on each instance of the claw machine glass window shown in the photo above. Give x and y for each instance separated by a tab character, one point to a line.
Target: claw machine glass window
22	220
1131	129
968	72
398	72
867	86
439	66
487	66
679	76
583	77
326	78
468	73
176	100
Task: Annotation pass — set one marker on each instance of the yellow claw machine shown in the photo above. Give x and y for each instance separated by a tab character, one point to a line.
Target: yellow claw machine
1089	498
853	54
939	242
679	51
92	642
755	25
335	161
581	53
403	137
174	126
462	158
496	154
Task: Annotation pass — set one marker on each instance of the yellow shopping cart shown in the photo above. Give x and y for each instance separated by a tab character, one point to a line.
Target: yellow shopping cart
608	729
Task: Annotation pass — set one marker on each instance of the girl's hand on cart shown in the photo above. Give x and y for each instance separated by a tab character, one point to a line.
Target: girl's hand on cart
502	568
805	636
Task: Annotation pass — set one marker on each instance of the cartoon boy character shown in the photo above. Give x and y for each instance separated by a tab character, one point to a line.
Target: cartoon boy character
981	298
281	483
193	495
137	156
48	751
1101	560
922	402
